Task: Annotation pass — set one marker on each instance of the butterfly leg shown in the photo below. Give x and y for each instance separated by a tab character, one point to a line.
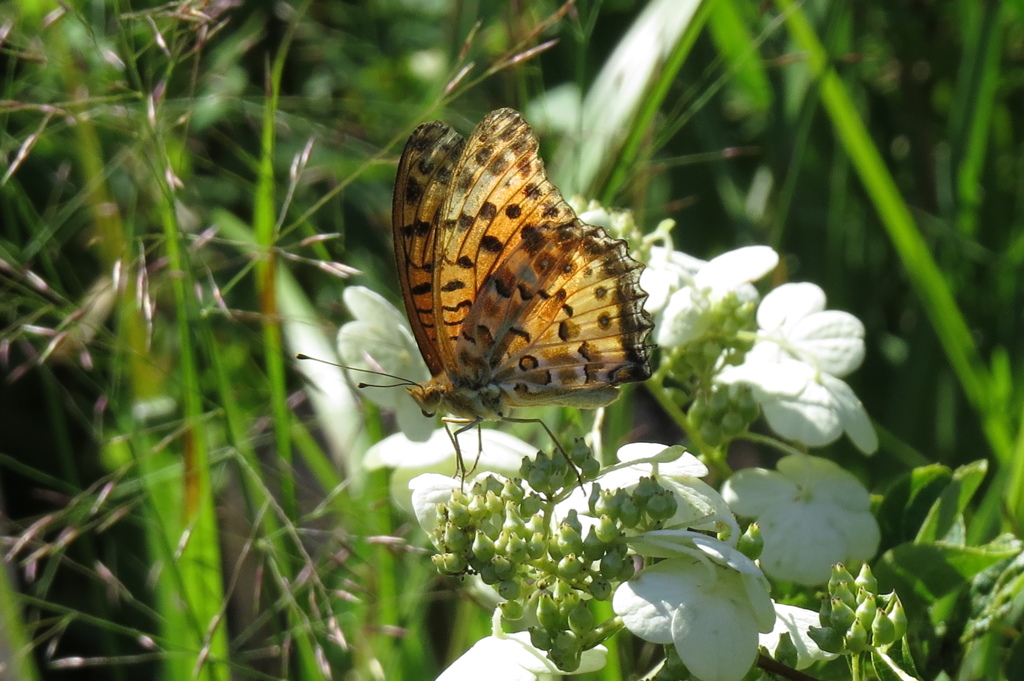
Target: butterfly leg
466	424
554	439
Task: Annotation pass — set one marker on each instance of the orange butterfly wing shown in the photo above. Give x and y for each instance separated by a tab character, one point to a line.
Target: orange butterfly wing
528	302
424	174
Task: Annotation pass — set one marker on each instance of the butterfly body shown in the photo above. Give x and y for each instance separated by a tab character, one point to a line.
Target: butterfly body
513	300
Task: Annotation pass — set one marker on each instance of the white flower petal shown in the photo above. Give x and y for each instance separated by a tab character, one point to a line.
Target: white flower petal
810	417
751	491
795	622
743	265
789	303
802	541
683	320
769	379
511	657
825	481
851	412
834	339
427	491
697	608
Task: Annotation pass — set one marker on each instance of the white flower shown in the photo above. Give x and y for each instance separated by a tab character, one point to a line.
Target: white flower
699	506
706	599
795	621
502	453
812	514
511	657
691	311
666	272
794	369
379	339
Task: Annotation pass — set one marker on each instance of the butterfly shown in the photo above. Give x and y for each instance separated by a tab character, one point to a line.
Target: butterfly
513	300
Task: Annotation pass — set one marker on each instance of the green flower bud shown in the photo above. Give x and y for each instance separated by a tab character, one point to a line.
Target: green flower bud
883	631
733	424
493	503
503	567
530	506
513	522
536	546
611	565
590	468
898	616
828	639
477	506
456	539
566	651
581	620
600	588
512	610
517	551
593	547
450	563
748	407
458	514
548	614
580	452
629	513
536	523
563	591
699	409
509	589
866	608
825	612
662	506
866	579
526	467
644	490
843	593
564	641
540	638
483	547
607	530
857	638
607	503
711	433
751	543
594	498
839	574
512	490
569	539
719	402
842	617
627	569
488	575
786	651
570	567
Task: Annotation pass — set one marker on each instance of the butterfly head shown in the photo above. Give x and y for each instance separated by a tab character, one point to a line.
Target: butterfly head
440	395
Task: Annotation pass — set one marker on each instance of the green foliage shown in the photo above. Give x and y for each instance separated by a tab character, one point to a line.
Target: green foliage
186	189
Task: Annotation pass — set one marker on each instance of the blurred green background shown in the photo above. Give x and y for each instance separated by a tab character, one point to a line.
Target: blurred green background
185	185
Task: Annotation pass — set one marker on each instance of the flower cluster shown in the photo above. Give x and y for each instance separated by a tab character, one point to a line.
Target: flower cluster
855	618
725	346
558	537
812	515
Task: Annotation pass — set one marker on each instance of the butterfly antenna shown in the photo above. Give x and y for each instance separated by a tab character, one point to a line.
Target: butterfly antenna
402	381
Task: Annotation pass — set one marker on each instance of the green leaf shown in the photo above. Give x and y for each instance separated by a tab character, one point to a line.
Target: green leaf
930	571
947	511
906	505
894	667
